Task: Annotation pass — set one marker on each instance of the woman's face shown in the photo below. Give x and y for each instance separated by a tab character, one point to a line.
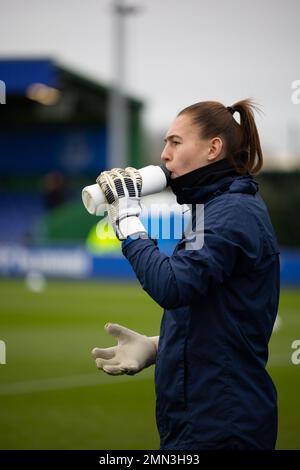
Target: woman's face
184	149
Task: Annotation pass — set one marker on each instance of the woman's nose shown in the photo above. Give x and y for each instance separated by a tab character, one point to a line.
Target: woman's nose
165	155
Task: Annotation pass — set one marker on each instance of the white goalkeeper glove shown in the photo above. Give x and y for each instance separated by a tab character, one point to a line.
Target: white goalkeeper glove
132	354
122	189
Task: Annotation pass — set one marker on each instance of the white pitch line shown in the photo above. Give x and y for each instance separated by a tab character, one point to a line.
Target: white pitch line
99	378
62	383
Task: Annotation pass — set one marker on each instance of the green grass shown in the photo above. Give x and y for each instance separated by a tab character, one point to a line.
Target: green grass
53	397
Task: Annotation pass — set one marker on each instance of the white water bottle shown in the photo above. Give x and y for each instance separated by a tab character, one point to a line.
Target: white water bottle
155	179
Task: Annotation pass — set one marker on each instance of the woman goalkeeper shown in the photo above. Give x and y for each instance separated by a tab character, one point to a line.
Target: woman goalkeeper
220	297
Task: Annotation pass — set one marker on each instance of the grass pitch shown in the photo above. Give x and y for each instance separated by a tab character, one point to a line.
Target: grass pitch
53	397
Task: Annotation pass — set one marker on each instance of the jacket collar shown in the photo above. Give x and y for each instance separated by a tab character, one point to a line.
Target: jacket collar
200	185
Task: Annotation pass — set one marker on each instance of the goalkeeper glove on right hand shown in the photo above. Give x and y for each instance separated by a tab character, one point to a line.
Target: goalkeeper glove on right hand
122	189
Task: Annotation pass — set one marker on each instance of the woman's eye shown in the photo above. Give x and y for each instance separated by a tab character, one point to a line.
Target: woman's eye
175	143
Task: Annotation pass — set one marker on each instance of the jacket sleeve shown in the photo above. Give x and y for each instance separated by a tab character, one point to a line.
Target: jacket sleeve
180	279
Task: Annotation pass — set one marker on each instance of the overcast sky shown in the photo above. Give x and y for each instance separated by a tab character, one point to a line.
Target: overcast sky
178	52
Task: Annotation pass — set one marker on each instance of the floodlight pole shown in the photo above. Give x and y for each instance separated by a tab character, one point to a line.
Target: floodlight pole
118	105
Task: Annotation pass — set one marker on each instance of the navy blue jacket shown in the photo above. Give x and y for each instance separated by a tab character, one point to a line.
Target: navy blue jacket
220	305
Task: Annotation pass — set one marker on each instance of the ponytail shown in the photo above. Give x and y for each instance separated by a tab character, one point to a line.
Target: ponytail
241	140
250	139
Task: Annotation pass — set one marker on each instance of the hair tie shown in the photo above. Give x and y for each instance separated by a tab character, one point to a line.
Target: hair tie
231	110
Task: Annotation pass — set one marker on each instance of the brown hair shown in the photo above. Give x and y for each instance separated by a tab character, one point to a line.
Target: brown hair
241	140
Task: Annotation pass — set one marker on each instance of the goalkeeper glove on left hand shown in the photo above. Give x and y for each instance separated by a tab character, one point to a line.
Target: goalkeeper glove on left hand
132	354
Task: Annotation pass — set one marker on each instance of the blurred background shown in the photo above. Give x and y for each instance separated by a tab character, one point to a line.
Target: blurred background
88	86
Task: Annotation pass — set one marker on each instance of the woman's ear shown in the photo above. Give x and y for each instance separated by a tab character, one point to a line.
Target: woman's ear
216	149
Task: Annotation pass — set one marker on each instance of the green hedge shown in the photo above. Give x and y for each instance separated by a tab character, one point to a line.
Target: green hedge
281	192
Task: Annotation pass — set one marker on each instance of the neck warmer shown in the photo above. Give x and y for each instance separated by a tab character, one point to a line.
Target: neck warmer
206	176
